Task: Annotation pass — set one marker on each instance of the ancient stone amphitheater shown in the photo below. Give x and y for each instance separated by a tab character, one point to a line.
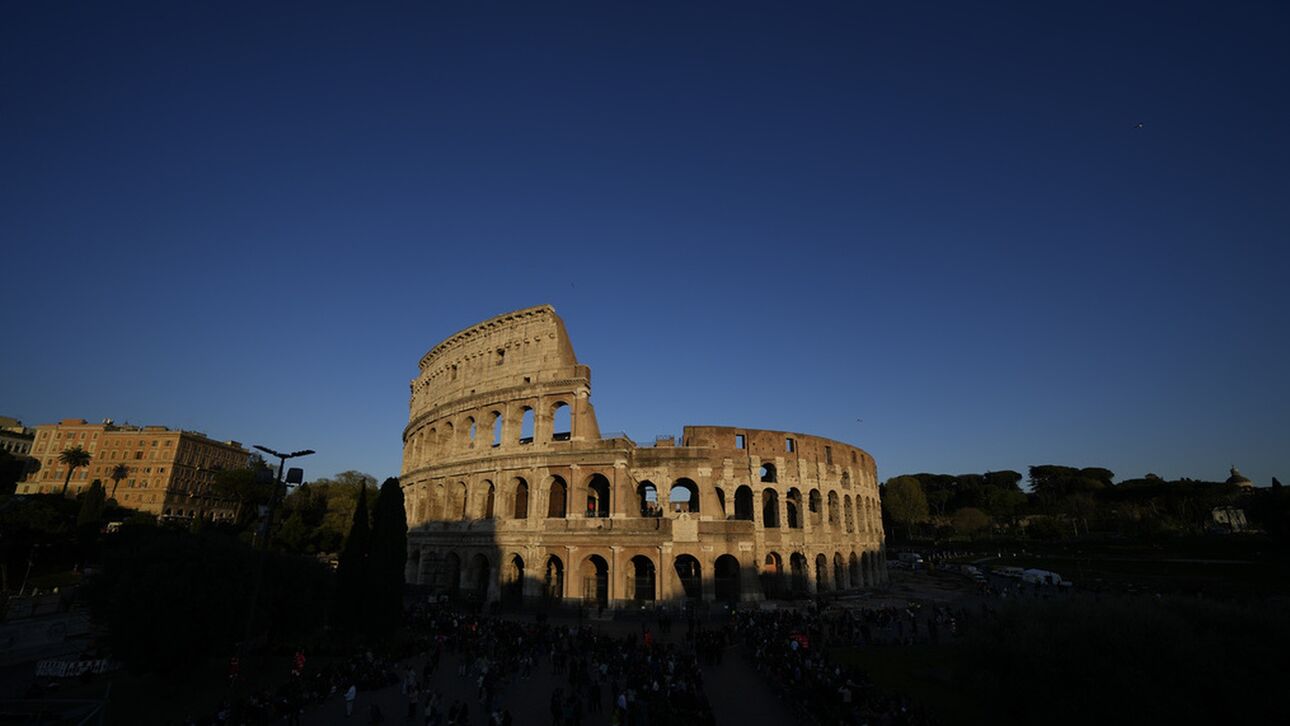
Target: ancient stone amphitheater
513	493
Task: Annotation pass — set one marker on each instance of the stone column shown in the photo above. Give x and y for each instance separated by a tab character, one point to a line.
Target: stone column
617	575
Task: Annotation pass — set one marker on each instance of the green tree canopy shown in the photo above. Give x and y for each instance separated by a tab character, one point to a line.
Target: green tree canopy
904	501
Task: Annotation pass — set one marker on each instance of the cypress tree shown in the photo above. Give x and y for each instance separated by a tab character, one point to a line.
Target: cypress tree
351	571
389	555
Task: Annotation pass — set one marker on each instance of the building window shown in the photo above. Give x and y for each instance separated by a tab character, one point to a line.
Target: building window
790	446
828	455
740	441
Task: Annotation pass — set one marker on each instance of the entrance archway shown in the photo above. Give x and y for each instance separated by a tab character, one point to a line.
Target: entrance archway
821	573
598	496
553	581
595	581
641	579
744	503
478	577
513	591
772	576
797	563
726	574
450	575
839	574
690	573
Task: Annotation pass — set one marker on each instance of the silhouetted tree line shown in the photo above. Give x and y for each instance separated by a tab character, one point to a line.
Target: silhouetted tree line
369	577
1067	501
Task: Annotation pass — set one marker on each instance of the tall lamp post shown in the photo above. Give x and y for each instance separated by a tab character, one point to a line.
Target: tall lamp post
295	476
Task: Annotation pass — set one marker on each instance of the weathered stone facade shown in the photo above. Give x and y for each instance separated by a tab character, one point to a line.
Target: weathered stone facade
512	492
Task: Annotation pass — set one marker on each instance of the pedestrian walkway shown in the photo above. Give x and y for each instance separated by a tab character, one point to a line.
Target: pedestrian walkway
735	690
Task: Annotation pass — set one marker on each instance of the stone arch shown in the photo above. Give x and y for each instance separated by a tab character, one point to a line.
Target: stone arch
849	514
793	508
769	508
721	501
647	498
598	496
497	425
772	575
744	503
595	580
726	577
835	517
488	507
684	496
857	580
557	498
553	579
815	506
798	567
460	497
641	577
479	576
821	573
839	572
450	575
513	580
526	425
449	434
690	573
471	429
520	500
846	479
767	473
561	421
438	505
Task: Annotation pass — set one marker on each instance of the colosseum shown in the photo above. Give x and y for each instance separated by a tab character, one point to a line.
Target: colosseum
514	494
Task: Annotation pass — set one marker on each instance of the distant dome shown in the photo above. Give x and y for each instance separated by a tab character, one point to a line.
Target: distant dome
1239	479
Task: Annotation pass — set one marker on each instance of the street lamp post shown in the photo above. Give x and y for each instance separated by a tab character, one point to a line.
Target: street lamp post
265	527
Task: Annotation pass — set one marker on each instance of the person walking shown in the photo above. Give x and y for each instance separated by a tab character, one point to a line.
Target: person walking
350	695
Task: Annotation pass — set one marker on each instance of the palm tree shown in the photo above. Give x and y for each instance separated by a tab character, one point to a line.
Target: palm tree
73	459
119	472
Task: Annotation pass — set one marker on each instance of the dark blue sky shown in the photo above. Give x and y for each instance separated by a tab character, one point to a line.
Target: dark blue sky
936	217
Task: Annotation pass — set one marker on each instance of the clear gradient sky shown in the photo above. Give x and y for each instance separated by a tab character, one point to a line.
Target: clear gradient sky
940	218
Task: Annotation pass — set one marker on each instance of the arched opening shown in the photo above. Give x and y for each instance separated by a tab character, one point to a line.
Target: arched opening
561	422
438	503
598	496
797	562
526	426
450	575
412	570
839	572
849	514
684	496
497	428
470	430
478	577
595	581
767	473
846	480
459	500
821	573
726	575
814	506
647	496
772	576
866	566
449	442
521	508
744	503
853	564
691	576
558	495
721	501
553	580
793	505
834	517
769	508
640	582
513	590
490	497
